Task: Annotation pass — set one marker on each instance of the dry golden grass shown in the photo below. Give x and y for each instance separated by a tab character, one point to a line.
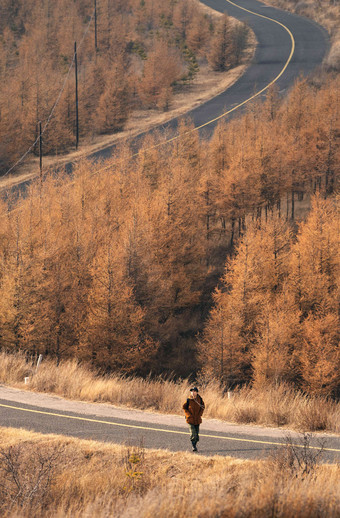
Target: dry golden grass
89	479
278	405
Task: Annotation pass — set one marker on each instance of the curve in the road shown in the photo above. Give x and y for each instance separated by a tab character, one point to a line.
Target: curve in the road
288	46
266	87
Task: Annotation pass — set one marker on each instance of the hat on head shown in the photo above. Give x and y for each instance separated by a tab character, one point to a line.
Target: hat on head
194	389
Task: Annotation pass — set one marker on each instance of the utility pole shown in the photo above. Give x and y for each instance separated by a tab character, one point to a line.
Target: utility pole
76	74
222	348
40	150
95	26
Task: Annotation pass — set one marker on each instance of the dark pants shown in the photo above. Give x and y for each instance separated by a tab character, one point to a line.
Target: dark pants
194	431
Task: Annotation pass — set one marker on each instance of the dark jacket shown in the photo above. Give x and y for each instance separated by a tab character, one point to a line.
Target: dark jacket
193	409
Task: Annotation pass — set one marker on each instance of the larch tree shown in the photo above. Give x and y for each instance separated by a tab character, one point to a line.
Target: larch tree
320	355
162	69
47	325
111	322
274	358
114	337
240	319
10	279
181	17
113	104
199	33
222	351
221	56
314	269
314	280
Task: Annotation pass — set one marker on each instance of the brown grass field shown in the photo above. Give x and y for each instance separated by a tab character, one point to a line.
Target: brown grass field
54	476
278	405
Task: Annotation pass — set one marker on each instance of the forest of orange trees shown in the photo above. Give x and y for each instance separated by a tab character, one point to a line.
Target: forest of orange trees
189	258
141	52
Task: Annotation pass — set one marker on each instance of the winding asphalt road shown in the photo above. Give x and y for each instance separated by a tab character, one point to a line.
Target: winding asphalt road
289	47
102	422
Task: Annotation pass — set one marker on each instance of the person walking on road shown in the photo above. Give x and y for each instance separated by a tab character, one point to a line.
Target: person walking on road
193	409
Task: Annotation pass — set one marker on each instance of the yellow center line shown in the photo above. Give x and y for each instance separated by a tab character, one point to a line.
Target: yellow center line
138	427
274	80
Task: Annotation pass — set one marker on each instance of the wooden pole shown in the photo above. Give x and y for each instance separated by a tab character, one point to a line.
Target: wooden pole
95	26
76	76
40	149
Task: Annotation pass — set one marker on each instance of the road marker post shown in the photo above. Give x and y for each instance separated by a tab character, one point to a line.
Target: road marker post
39	362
